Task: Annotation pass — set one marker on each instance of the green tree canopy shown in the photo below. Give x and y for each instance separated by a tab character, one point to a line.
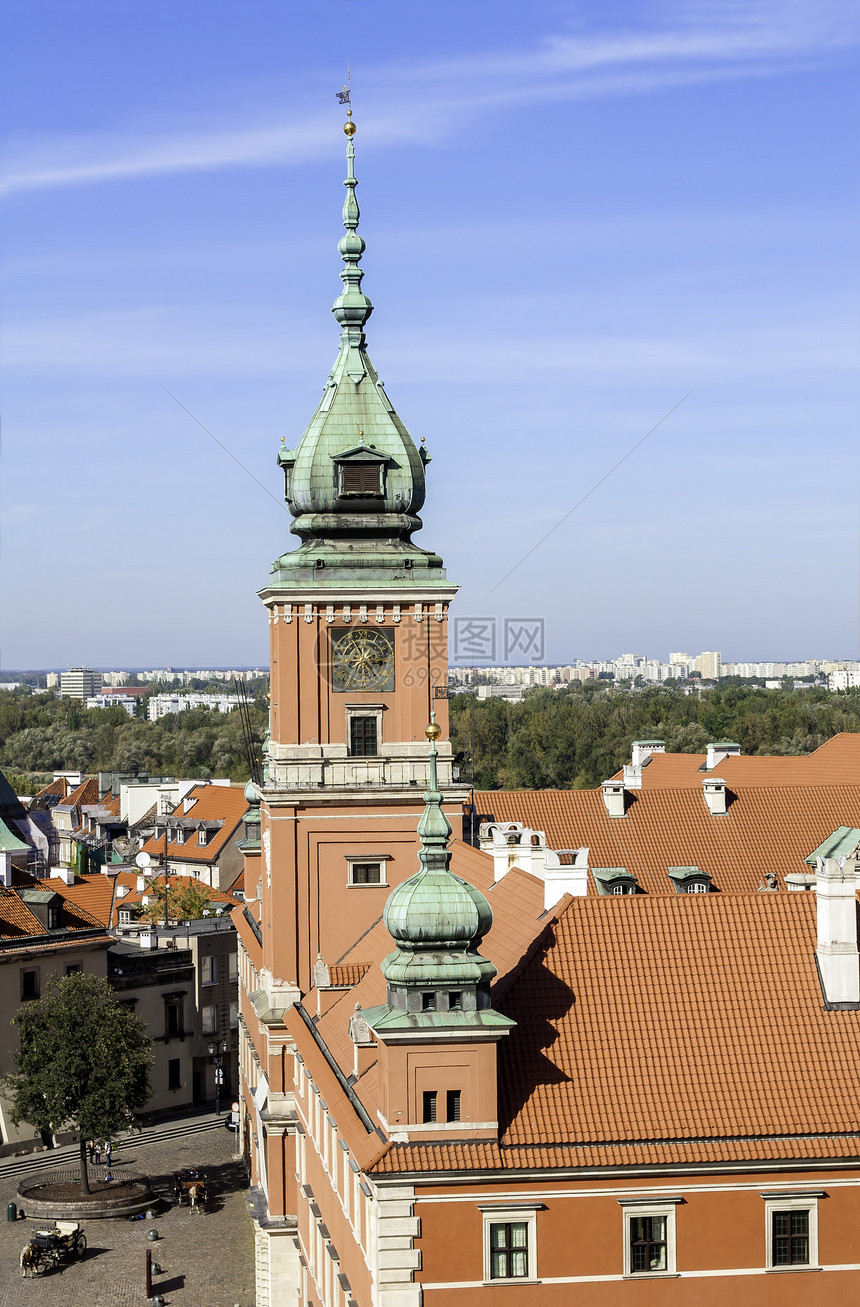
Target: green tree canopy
82	1063
187	899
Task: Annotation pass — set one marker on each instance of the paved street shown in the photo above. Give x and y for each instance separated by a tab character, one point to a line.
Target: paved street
207	1260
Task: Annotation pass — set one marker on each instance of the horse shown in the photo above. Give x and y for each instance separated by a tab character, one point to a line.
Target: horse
197	1197
30	1259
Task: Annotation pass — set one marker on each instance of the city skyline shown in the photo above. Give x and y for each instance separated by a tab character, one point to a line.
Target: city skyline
574	217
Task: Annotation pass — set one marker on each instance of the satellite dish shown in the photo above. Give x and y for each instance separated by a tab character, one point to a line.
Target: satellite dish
143	859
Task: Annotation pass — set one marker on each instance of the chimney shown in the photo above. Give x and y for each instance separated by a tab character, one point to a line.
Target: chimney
643	749
65	874
613	797
838	960
564	878
6	868
717	752
714	789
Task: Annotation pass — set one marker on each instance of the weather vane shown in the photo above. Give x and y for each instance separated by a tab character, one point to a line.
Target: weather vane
343	93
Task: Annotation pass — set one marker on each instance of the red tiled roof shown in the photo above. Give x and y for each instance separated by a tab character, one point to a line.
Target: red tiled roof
15	917
764	829
453	1157
59	786
347	973
689	1017
91	894
836	762
213	803
86	792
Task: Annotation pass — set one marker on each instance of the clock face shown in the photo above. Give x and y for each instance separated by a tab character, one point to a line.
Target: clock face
362	660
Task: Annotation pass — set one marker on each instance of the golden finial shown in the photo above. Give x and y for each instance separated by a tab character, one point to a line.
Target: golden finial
434	730
283	440
349	127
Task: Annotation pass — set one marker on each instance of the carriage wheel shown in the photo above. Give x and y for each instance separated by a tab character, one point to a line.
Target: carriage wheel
80	1245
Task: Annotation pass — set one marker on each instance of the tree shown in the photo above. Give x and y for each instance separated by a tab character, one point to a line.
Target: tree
187	901
83	1061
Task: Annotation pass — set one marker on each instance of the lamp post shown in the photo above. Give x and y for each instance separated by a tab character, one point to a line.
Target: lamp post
216	1058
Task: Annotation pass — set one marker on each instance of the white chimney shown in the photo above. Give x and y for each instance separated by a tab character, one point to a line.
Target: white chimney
148	939
643	749
717	752
838	960
121	891
714	790
568	878
6	868
613	797
65	874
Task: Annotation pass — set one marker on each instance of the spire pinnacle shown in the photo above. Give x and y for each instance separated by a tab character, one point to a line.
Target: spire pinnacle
351	308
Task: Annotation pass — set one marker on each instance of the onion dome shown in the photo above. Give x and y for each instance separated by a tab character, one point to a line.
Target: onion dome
355	481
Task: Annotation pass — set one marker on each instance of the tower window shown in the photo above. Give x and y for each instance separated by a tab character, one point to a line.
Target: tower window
453	1105
429	1097
365	873
361	478
428	1002
455	1001
362	737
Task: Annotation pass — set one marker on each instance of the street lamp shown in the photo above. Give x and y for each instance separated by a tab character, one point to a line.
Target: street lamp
215	1056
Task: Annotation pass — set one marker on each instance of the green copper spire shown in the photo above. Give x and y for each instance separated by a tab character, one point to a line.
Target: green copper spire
436	977
355	482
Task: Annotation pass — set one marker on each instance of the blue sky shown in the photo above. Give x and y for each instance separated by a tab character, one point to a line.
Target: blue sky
575	213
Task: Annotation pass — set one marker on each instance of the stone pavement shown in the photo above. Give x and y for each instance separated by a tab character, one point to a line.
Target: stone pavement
207	1260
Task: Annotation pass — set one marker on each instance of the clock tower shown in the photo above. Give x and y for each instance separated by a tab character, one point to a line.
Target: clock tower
358	619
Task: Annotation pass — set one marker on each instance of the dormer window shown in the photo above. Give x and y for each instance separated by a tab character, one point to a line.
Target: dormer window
202	837
614	880
179	835
689	880
360	473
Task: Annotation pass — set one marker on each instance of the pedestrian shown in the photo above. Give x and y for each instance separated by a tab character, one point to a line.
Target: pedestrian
91	1148
97	1154
108	1151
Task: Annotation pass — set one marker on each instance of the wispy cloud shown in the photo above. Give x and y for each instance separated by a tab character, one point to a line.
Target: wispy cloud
695	42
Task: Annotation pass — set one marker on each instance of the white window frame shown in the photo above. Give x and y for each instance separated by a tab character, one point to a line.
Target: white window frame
361	860
209	968
364	710
521	1214
633	1207
792	1202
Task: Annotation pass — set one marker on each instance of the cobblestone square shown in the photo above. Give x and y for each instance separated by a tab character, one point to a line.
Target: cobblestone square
207	1259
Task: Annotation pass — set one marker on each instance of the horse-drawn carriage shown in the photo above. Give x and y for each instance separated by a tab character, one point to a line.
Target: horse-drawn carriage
47	1249
189	1186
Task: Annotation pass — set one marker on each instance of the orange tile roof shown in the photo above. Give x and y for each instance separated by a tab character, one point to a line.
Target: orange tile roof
347	973
692	1017
92	894
86	792
60	786
836	762
764	829
225	803
453	1157
15	917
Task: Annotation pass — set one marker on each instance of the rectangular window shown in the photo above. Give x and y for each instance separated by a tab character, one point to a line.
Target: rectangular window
453	1105
792	1230
179	836
73	967
234	1016
173	1078
365	873
509	1250
29	984
362	737
209	1016
790	1233
428	1002
429	1105
209	970
649	1236
647	1243
173	1024
233	966
455	1001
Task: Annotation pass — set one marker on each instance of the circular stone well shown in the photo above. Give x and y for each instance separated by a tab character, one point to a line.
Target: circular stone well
58	1194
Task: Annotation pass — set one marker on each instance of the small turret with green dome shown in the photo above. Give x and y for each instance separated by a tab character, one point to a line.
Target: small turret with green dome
355	481
436	976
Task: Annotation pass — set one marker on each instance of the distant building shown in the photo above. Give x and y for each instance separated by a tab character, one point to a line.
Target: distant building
162	705
52	680
80	683
201	836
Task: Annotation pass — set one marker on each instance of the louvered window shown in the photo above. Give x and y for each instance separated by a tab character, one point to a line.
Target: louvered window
429	1105
361	478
